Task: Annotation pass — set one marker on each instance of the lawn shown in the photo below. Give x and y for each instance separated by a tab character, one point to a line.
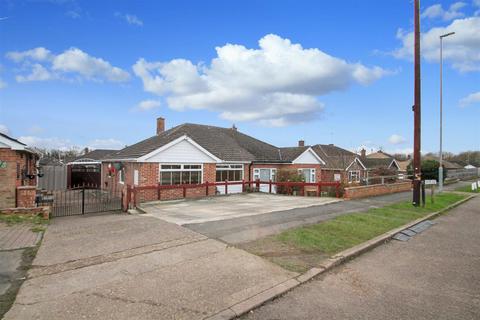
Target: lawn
37	222
301	248
467	188
347	231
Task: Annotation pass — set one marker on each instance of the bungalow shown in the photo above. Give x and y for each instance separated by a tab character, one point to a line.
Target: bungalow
193	154
340	164
18	173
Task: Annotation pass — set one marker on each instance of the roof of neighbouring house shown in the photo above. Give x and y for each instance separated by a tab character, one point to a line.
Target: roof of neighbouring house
292	153
446	164
97	154
379	155
403	164
374	163
8	142
225	143
334	157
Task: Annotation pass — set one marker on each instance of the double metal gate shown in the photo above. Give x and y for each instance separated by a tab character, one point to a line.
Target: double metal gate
81	200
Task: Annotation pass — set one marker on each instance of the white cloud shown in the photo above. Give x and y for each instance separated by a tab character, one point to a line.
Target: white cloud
74	14
66	144
38	73
461	49
4	129
106	144
148	105
130	18
437	11
470	99
47	143
36	54
396	139
276	85
71	62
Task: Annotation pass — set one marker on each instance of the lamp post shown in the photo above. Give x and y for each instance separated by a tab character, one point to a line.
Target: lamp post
440	155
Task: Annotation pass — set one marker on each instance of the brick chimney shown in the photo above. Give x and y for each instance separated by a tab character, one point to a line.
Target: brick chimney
363	153
301	143
160	125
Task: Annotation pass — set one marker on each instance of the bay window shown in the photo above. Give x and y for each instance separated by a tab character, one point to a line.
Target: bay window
180	174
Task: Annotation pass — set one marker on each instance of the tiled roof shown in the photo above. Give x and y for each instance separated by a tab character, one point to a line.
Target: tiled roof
12	139
379	155
97	154
225	143
292	153
334	157
376	163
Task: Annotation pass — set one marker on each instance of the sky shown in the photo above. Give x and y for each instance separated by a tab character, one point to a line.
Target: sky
98	73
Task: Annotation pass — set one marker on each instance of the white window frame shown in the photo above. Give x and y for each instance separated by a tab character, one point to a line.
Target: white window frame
312	174
230	167
136	177
357	176
121	176
182	169
273	173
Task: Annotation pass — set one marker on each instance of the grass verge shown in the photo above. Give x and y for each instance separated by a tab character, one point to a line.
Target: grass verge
12	219
467	188
300	248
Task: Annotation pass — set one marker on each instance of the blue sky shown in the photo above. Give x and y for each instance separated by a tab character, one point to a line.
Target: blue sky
98	73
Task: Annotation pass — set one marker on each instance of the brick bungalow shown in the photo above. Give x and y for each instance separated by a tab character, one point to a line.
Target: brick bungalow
18	173
193	154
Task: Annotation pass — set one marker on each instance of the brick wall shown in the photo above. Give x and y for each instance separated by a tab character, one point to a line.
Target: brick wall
16	164
26	196
375	190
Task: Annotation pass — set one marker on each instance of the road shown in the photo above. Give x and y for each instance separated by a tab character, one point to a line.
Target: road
435	275
244	229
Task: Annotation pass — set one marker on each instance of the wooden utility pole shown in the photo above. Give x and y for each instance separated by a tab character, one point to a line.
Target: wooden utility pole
417	179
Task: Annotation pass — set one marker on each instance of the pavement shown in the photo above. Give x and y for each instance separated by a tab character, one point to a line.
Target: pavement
14	240
249	228
434	275
137	267
229	207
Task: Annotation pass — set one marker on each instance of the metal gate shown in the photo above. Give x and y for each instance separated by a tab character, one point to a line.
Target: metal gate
81	200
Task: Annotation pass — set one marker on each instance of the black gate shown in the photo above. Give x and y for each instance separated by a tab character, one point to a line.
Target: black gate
81	200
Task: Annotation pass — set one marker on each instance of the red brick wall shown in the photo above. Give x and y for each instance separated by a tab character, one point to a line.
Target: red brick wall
26	196
8	176
375	190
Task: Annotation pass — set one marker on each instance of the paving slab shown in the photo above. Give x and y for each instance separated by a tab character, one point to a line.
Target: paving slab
18	236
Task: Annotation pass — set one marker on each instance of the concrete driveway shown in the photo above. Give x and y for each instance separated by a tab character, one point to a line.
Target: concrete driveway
228	207
137	267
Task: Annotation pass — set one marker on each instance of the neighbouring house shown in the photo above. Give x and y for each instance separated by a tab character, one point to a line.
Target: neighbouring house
85	170
194	154
18	173
340	164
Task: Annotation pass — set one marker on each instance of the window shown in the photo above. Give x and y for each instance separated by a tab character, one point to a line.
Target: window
180	174
135	177
230	172
121	176
354	176
308	174
265	174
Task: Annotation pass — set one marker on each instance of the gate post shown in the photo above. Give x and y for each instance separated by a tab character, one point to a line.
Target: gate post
226	186
83	199
270	186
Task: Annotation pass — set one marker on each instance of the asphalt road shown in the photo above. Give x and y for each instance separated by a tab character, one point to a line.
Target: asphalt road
244	229
435	275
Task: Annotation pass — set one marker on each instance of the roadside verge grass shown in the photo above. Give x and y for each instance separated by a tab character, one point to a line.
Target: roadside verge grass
467	188
315	242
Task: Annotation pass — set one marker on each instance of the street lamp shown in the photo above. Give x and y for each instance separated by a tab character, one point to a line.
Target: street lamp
440	168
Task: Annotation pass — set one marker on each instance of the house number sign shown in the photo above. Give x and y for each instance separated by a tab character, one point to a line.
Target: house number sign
3	164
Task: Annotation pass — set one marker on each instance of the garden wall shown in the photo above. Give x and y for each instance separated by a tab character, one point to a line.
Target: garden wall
376	190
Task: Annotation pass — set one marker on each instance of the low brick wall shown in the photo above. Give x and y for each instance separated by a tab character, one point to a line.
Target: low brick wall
34	211
26	196
376	190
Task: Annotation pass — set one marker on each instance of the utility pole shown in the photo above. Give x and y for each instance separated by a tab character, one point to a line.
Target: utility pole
440	155
417	170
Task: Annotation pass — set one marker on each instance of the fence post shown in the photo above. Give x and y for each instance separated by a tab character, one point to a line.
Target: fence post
158	191
184	192
243	185
83	199
226	186
257	184
337	187
270	186
127	200
319	189
206	188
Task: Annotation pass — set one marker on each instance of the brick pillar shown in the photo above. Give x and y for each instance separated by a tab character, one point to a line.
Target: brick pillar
26	196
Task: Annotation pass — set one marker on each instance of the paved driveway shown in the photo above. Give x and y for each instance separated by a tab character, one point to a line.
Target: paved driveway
228	207
434	275
137	267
